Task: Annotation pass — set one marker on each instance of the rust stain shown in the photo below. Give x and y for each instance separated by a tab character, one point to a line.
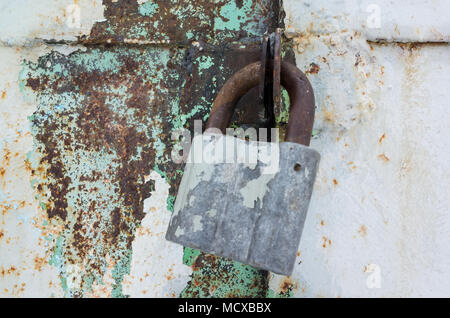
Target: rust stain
10	271
170	274
112	115
362	230
384	157
335	182
326	242
287	286
358	59
3	95
172	22
210	271
6	157
5	208
313	69
322	223
329	116
382	138
39	263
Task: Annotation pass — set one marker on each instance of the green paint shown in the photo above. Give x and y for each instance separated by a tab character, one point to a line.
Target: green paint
57	261
80	157
102	61
215	22
121	269
282	116
231	17
159	75
216	277
148	8
190	255
204	63
170	203
273	294
189	35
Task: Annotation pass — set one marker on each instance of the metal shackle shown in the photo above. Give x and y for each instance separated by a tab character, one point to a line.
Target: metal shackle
301	95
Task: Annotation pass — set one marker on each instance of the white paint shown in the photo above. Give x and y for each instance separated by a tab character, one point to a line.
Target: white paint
374	279
212	213
381	196
74	274
256	190
24	253
179	232
31	21
156	267
197	222
377	20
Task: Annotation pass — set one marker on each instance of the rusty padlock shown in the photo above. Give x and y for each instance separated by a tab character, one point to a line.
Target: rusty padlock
237	210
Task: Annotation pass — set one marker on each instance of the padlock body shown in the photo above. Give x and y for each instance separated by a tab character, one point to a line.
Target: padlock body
249	210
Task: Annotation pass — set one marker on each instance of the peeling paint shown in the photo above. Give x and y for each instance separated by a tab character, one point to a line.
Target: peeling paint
148	8
377	200
255	190
32	22
29	271
156	269
114	204
101	104
176	21
214	277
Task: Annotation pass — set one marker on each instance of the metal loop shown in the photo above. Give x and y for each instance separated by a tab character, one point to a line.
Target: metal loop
301	94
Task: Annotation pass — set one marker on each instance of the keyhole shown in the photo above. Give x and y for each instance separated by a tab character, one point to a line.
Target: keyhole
297	167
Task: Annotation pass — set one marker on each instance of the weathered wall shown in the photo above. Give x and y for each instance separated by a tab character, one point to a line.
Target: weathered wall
380	206
87	108
90	97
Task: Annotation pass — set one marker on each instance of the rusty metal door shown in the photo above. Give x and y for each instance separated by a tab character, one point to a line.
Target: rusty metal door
91	90
99	88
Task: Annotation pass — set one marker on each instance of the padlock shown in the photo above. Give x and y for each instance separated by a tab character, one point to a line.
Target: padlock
239	210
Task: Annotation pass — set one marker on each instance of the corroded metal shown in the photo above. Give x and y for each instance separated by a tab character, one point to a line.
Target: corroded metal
178	22
301	95
103	122
372	102
217	208
244	211
277	68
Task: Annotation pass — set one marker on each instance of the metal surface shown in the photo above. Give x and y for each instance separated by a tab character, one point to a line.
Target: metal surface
381	124
270	76
240	212
266	83
277	69
103	100
379	212
215	209
300	92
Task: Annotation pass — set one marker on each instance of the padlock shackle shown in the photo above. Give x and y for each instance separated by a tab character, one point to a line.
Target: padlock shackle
301	95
